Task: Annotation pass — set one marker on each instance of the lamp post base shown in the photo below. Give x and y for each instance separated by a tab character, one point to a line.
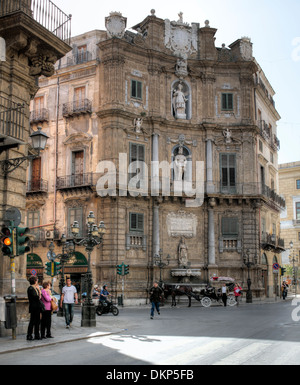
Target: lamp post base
88	316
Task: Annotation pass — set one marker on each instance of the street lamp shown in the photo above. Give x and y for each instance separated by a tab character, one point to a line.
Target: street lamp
159	263
293	260
248	264
94	238
39	141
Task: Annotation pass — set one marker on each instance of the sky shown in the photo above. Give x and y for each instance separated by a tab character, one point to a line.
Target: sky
272	25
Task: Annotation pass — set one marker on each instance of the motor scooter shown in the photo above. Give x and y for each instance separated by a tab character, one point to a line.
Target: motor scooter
105	308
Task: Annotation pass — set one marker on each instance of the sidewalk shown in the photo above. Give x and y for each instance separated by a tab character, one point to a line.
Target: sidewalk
106	325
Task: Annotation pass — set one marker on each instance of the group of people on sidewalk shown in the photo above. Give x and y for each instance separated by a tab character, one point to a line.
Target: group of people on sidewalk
42	304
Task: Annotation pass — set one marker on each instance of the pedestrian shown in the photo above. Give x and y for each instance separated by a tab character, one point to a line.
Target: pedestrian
224	294
284	289
47	314
155	297
237	293
68	298
34	295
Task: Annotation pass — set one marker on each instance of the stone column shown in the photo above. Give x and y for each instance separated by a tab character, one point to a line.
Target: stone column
212	267
155	166
209	167
155	229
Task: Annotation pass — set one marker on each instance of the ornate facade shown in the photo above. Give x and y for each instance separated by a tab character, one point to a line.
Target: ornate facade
171	141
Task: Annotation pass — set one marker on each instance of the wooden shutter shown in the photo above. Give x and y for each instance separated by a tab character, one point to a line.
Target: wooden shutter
136	222
230	227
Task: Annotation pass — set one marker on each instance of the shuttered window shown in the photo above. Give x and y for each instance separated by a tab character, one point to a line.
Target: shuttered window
137	154
228	172
136	89
75	214
227	102
230	227
136	222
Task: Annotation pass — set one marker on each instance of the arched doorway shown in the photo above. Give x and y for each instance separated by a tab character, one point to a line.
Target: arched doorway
34	267
264	273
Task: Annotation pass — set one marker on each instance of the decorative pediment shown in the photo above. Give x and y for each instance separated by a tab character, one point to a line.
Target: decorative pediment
78	138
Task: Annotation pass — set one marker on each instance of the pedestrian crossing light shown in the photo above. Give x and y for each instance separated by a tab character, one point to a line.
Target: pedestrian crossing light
21	240
7	241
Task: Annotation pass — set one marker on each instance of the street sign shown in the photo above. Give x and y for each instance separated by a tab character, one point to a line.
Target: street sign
33	272
13	214
276	266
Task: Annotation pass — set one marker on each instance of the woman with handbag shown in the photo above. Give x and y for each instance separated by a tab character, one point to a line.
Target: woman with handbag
47	314
34	294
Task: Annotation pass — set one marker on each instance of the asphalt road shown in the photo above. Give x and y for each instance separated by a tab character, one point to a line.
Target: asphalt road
256	334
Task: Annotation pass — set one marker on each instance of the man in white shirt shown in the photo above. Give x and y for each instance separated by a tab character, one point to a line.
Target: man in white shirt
68	298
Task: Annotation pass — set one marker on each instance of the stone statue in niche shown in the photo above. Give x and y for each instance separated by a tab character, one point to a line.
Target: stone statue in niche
179	102
182	254
180	164
228	135
138	122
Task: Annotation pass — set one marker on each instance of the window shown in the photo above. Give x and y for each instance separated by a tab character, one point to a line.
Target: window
298	184
298	236
33	220
38	104
230	227
137	154
228	172
227	102
79	97
136	89
136	222
298	211
75	214
81	54
260	146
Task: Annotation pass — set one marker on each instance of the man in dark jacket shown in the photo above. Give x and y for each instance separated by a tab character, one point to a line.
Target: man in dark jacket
155	297
34	295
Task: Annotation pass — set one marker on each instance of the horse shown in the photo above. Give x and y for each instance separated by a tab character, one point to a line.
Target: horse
180	290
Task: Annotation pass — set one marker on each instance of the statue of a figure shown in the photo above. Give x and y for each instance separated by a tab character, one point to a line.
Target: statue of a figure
180	164
183	253
138	125
179	102
227	134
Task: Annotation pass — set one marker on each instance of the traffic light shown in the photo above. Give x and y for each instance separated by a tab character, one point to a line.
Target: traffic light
48	268
283	270
57	268
120	269
7	241
126	269
21	240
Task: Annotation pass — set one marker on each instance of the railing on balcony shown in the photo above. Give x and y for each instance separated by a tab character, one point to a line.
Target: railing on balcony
35	186
73	181
78	107
39	116
271	241
80	57
44	12
12	119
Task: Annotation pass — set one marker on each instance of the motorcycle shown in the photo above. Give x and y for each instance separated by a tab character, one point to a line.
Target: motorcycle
105	308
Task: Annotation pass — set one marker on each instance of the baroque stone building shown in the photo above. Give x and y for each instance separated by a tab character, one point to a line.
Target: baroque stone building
32	39
172	142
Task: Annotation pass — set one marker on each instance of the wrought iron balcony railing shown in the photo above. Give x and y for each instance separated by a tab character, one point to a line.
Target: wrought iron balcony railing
35	186
44	12
78	107
74	181
39	116
12	119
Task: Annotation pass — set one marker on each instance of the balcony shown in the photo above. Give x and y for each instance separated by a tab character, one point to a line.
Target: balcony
77	108
37	186
272	242
39	116
79	58
75	181
44	12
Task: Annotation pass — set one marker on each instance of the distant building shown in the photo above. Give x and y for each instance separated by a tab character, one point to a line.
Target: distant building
289	187
163	93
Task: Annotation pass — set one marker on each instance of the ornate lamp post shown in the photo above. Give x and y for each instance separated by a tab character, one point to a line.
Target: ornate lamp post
249	263
94	238
159	262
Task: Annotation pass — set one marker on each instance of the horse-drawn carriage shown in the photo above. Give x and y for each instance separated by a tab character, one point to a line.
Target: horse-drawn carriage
206	296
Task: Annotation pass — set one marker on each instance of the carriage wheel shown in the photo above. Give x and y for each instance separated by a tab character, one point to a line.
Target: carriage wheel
231	300
206	301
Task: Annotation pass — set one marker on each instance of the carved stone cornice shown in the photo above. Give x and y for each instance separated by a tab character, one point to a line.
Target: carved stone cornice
114	60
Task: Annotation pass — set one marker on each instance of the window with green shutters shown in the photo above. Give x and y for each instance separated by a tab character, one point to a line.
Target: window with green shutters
136	89
136	222
230	227
228	173
227	102
137	154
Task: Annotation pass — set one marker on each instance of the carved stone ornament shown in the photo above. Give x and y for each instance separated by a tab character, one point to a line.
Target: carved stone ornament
246	49
115	24
181	38
181	224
